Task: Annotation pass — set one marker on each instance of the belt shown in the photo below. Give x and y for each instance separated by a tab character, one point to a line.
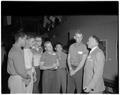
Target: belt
61	68
36	66
50	70
73	67
29	69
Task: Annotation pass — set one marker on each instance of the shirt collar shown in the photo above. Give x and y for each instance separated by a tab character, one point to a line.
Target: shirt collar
52	53
15	46
93	49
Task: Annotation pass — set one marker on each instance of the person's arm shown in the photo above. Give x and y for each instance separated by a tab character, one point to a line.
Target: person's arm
20	65
98	70
49	67
34	74
42	67
42	59
69	64
55	65
57	62
46	67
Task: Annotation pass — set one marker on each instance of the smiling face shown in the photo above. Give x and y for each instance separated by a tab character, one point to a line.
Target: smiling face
91	42
30	42
22	40
48	47
59	48
38	41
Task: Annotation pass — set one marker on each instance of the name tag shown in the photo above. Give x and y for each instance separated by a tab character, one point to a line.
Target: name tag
53	53
80	52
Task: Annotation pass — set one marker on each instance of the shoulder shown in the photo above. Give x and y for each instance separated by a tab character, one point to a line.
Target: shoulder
72	46
44	54
100	54
84	48
55	55
83	45
13	51
64	54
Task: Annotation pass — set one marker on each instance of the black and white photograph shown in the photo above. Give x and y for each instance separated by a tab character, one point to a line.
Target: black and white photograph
59	47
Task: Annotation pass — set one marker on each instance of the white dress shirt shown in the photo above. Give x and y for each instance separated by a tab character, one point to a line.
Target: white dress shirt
93	49
28	57
36	59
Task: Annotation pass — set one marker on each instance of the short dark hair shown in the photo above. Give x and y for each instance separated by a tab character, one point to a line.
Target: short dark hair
30	35
59	43
38	35
77	31
96	38
19	34
47	42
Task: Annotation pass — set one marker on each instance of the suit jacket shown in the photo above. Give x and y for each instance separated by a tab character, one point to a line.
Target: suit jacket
93	71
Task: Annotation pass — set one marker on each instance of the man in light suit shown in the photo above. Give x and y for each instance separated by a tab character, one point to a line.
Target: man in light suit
93	71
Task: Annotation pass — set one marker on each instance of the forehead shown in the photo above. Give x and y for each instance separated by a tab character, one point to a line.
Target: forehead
58	45
24	37
31	39
38	39
48	44
91	38
78	35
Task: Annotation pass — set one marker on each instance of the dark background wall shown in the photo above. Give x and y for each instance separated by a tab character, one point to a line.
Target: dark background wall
105	27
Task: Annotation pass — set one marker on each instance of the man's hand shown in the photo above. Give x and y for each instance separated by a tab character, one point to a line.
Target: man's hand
87	89
28	77
34	77
27	81
55	66
72	73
